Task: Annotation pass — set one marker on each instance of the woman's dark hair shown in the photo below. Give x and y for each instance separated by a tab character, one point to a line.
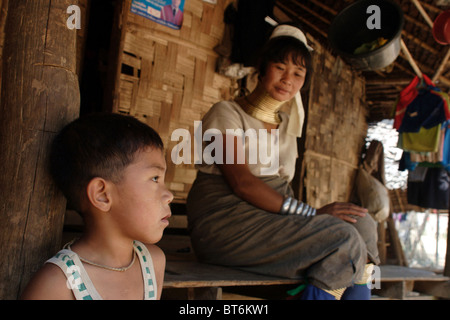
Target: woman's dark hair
279	49
98	145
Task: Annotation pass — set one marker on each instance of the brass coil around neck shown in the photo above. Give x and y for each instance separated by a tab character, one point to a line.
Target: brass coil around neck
260	105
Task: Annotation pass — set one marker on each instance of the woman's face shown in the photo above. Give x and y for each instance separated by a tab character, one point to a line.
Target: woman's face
283	80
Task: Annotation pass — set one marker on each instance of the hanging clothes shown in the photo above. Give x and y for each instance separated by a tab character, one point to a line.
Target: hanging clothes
422	118
425	140
421	114
426	110
408	95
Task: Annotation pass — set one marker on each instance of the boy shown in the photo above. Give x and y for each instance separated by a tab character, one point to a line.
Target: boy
111	169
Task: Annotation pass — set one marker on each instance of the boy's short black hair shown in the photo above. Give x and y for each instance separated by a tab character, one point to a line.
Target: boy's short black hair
97	145
279	49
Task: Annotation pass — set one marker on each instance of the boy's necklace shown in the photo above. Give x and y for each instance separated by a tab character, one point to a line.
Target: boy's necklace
123	269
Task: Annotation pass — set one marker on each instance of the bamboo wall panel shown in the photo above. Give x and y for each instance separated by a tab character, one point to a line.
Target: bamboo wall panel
168	77
336	130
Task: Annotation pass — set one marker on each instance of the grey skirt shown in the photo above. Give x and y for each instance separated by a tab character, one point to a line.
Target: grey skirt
227	230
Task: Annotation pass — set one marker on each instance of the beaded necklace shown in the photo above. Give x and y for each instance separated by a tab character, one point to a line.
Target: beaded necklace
123	269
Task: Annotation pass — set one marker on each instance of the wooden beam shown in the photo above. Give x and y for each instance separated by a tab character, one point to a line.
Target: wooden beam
324	7
430	7
410	59
40	95
294	16
395	290
447	255
441	66
313	13
439	289
420	43
388	81
423	12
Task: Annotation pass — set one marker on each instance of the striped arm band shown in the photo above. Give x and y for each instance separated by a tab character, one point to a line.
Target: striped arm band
291	206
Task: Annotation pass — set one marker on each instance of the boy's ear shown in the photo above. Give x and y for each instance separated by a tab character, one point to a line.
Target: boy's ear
98	194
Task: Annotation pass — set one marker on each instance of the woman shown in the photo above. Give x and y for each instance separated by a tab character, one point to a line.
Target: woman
241	216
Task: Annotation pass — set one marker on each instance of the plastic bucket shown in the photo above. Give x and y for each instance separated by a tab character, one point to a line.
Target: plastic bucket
441	28
349	31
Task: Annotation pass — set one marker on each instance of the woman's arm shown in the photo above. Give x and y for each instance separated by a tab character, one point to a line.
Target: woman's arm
253	190
244	184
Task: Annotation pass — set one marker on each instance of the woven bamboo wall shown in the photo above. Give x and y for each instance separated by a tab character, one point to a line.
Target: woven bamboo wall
169	80
336	130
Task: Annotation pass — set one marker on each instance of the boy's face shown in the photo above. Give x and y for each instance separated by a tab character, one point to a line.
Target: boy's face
141	198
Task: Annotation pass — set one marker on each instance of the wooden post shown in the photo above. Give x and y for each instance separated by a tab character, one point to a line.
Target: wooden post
447	254
423	13
441	67
410	59
40	94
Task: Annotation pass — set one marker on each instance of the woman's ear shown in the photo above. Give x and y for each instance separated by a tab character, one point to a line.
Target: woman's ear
98	194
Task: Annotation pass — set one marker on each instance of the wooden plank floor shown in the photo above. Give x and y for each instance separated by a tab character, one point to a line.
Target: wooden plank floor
399	273
181	274
393	282
182	271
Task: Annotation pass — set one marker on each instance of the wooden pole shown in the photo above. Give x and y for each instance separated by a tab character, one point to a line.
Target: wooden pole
410	59
40	94
423	13
441	67
447	254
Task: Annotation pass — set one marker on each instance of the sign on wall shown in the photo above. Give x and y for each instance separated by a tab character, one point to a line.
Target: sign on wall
166	12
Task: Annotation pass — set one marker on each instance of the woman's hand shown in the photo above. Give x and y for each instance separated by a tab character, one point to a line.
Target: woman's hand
343	210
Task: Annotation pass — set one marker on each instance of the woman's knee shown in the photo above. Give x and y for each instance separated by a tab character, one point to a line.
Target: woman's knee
367	227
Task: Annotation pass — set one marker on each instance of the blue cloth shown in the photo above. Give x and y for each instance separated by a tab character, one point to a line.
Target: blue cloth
446	149
357	292
313	293
426	110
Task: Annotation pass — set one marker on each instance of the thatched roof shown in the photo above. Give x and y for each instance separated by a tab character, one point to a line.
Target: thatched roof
382	88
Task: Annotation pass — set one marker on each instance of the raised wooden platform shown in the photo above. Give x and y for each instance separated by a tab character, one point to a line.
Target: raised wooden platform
185	278
205	281
397	282
184	274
